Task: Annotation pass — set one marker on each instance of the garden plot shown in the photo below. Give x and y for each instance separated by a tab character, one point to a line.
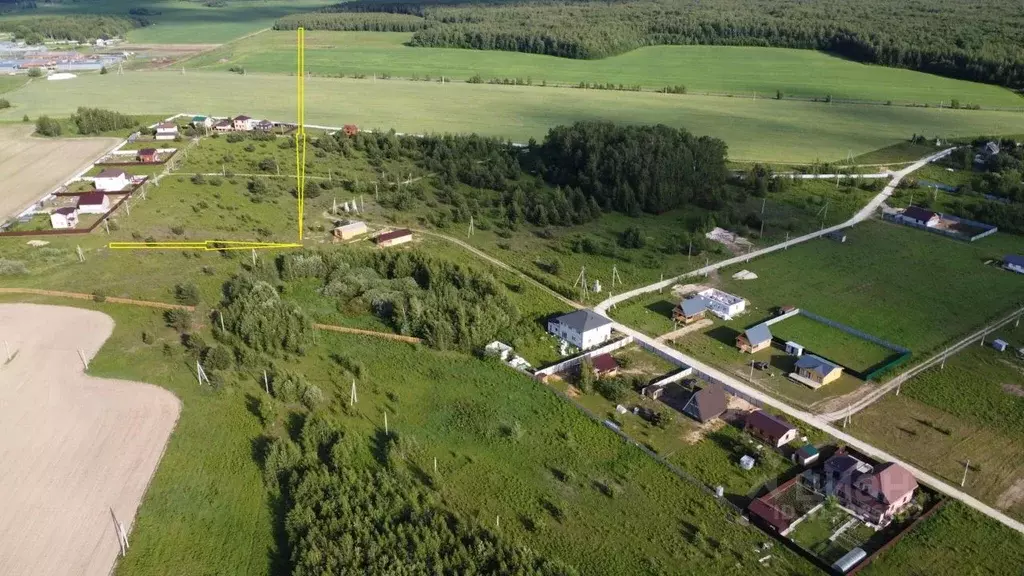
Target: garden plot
30	167
77	451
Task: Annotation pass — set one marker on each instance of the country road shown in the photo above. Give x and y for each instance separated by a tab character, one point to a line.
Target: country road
860	216
898	381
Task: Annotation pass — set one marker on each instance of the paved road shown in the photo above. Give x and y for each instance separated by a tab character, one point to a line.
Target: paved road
860	216
767	400
875	395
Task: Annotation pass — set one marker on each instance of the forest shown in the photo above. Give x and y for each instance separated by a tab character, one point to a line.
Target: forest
981	41
349	519
81	28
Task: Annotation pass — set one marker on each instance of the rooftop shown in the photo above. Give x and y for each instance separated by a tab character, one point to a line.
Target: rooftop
583	320
918	213
693	306
721	297
604	363
816	364
1014	259
769	424
111	173
393	234
758	334
91	199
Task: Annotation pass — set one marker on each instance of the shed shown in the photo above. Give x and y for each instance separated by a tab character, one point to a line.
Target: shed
1014	263
707	403
919	216
794	349
1000	345
394	237
499	349
805	455
605	365
350	230
653	391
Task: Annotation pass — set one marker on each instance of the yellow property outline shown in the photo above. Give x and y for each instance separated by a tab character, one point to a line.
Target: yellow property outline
300	180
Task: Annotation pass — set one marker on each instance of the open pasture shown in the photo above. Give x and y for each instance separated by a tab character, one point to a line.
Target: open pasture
77	449
30	167
744	71
764	130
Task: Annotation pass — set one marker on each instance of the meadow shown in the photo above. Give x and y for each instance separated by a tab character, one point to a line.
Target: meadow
743	71
756	130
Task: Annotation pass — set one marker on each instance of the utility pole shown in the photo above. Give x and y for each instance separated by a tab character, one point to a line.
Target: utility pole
266	383
386	433
966	467
353	399
582	280
471	230
81	256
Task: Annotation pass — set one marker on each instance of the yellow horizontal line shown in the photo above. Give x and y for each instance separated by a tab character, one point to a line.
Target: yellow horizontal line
208	245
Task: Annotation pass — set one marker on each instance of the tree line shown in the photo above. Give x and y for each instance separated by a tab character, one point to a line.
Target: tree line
81	28
980	41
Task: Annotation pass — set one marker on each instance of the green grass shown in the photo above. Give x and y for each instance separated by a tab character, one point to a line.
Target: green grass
956	540
189	22
766	130
831	343
8	83
718	69
814	532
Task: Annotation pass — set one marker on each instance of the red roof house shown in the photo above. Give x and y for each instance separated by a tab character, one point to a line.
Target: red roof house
147	155
93	203
350	129
605	365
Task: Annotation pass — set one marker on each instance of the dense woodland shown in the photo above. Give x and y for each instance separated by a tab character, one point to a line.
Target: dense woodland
82	28
981	40
347	518
449	305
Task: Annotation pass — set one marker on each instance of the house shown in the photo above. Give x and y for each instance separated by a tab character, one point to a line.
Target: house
754	339
817	369
350	129
604	365
64	218
1014	263
264	126
1000	345
690	310
794	349
224	126
918	216
723	304
805	455
147	156
242	123
394	238
769	429
706	404
111	180
583	329
499	349
202	122
875	493
93	203
350	230
166	131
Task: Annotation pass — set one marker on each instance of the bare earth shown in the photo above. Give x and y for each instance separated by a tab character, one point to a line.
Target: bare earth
74	448
31	167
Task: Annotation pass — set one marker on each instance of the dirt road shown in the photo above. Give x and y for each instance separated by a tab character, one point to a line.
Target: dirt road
30	167
77	451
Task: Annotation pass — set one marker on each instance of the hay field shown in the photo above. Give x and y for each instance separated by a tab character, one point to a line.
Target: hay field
30	167
75	449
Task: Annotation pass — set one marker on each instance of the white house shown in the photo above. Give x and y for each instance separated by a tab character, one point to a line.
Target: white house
243	123
111	180
1014	263
919	216
64	218
582	328
202	122
93	203
722	304
166	131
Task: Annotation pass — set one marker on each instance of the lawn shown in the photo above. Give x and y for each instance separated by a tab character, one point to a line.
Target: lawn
743	71
189	22
814	533
831	343
765	130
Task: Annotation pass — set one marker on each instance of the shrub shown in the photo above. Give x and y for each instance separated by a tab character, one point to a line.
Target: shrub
147	338
217	358
4	103
47	126
36	72
99	296
178	230
586	378
250	147
12	267
103	70
235	137
25	118
267	165
198	179
187	294
614	389
180	320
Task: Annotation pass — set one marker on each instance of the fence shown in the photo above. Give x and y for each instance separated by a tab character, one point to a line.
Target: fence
570	362
986	229
139	163
887	366
854	332
674	376
69	230
781	317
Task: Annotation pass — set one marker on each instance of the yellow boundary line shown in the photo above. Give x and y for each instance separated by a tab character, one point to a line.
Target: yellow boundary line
300	179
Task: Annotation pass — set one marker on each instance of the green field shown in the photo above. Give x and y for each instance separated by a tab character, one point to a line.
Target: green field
768	130
717	69
188	22
813	534
831	343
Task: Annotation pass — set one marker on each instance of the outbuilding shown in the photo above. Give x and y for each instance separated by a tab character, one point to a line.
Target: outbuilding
62	218
794	349
111	180
93	203
166	131
1000	345
394	238
754	339
771	430
805	455
147	156
350	230
1014	263
919	216
605	365
583	329
817	369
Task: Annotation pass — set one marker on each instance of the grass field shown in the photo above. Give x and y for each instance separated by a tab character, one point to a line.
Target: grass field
973	410
813	534
767	130
717	69
831	343
189	22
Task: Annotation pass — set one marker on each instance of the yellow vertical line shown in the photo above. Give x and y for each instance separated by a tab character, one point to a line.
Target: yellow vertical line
302	166
300	137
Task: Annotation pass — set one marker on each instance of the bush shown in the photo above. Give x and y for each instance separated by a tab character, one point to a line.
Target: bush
217	358
178	230
587	377
187	294
36	73
12	267
25	118
46	126
99	296
103	70
198	179
147	338
235	137
267	165
614	389
4	103
250	147
180	320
